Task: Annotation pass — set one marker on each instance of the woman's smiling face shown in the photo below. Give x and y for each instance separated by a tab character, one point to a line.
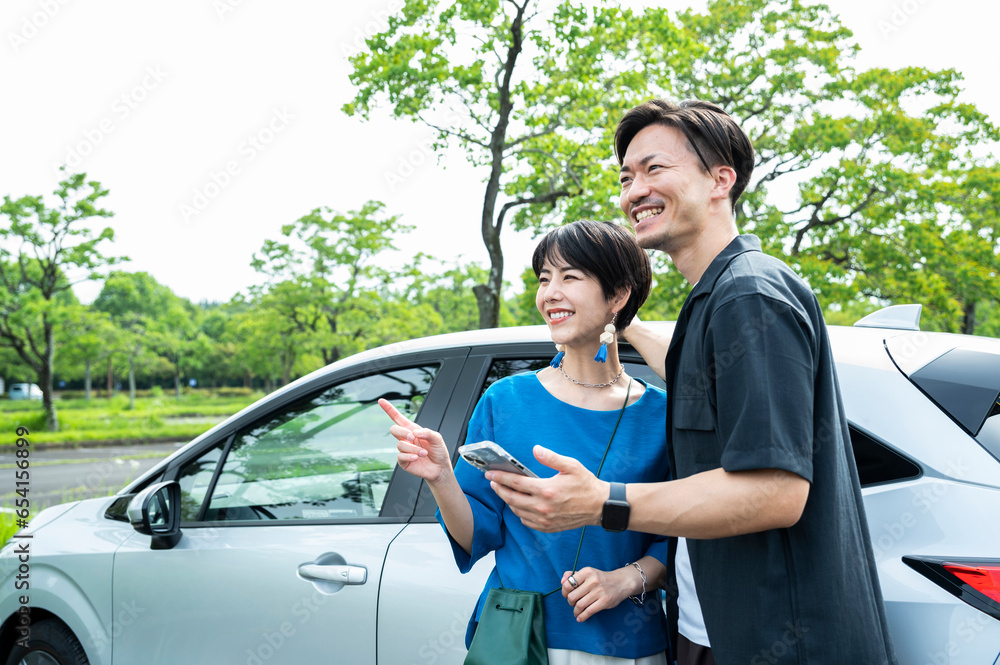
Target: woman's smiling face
572	303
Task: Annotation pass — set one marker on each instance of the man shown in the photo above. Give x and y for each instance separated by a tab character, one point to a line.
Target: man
774	562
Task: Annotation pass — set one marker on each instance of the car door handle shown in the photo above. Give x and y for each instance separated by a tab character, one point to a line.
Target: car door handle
342	574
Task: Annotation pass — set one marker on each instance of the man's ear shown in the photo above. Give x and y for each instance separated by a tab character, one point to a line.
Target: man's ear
725	180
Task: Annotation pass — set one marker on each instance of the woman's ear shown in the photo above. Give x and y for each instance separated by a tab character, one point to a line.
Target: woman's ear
620	299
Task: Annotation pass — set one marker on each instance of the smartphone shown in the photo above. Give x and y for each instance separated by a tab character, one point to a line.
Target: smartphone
488	456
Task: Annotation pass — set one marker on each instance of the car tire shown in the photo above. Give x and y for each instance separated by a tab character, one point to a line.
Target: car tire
50	642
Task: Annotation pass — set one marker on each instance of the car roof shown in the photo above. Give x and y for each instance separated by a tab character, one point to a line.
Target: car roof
853	345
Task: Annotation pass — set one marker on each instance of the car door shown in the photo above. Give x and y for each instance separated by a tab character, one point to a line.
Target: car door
285	526
425	603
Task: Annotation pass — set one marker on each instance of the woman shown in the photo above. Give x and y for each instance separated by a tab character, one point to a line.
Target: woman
592	278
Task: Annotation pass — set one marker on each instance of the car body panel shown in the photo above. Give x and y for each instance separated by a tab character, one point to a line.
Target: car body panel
268	612
420	570
70	572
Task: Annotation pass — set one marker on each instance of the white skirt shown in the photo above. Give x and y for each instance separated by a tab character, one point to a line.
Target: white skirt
568	657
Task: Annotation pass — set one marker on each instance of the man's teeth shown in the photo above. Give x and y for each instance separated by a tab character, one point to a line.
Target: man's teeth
559	315
648	213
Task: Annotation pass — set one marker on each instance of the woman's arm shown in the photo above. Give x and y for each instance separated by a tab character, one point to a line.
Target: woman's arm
597	590
423	453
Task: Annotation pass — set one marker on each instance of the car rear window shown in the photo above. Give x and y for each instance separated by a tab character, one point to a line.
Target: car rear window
878	464
989	435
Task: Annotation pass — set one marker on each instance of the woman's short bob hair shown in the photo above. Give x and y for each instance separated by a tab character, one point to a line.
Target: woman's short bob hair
605	251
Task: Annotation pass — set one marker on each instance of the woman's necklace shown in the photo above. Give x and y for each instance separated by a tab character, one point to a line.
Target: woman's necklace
591	385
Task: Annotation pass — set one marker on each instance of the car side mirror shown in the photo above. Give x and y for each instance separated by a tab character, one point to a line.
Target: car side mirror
156	512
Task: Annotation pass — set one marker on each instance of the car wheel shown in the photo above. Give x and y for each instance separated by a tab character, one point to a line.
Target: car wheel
49	643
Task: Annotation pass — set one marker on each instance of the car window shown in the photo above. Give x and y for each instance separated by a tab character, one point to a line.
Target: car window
877	463
989	433
328	456
195	479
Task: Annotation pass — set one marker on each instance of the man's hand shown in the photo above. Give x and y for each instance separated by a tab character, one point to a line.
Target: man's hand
572	498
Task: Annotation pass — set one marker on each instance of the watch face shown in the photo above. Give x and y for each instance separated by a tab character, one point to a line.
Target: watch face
615	515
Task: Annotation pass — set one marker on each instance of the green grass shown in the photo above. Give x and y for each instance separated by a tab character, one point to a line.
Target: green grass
8	526
83	421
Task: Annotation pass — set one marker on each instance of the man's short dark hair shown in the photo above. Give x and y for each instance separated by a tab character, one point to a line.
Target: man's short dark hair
605	251
711	133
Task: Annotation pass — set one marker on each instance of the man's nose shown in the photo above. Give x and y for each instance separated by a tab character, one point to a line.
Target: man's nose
638	189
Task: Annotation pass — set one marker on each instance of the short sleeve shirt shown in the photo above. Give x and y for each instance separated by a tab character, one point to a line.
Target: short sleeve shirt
751	385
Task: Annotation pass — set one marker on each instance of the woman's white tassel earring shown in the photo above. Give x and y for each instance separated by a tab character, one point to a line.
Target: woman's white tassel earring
607	337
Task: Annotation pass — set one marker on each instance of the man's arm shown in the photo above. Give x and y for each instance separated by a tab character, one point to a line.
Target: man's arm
652	346
712	504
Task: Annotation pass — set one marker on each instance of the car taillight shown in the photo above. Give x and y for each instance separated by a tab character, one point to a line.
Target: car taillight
984	579
976	581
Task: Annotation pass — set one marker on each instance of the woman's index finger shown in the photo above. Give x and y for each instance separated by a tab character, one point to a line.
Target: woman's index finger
394	413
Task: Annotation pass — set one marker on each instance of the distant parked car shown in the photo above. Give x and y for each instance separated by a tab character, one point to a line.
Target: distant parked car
286	535
25	391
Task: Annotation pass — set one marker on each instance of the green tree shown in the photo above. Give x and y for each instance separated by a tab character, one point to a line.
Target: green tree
451	294
881	159
324	286
44	250
88	340
179	339
526	93
135	302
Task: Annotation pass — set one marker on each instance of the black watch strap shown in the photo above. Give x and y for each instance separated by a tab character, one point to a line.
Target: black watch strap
617	492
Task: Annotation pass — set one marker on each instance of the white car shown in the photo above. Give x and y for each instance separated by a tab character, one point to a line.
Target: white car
287	535
25	391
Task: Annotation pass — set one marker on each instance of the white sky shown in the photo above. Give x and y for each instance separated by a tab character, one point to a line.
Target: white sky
157	100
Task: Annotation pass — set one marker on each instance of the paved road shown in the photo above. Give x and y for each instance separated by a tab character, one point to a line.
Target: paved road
57	476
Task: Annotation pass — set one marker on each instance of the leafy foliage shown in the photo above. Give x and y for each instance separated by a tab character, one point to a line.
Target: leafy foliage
44	250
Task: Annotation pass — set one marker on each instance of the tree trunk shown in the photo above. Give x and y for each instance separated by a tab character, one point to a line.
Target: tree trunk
969	320
131	384
111	378
488	294
86	379
177	384
45	377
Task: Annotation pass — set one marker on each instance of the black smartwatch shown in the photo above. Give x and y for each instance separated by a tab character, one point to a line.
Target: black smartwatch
614	517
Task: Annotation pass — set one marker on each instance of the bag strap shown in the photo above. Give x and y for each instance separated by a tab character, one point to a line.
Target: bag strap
628	391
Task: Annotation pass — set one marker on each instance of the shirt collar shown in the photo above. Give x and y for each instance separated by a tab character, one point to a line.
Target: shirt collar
739	245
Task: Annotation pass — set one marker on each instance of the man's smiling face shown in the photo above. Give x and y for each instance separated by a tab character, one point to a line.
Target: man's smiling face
665	188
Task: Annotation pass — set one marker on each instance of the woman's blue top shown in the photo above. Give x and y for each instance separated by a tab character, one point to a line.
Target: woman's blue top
517	412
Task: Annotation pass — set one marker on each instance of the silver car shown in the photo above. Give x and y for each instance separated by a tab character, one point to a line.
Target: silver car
286	535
